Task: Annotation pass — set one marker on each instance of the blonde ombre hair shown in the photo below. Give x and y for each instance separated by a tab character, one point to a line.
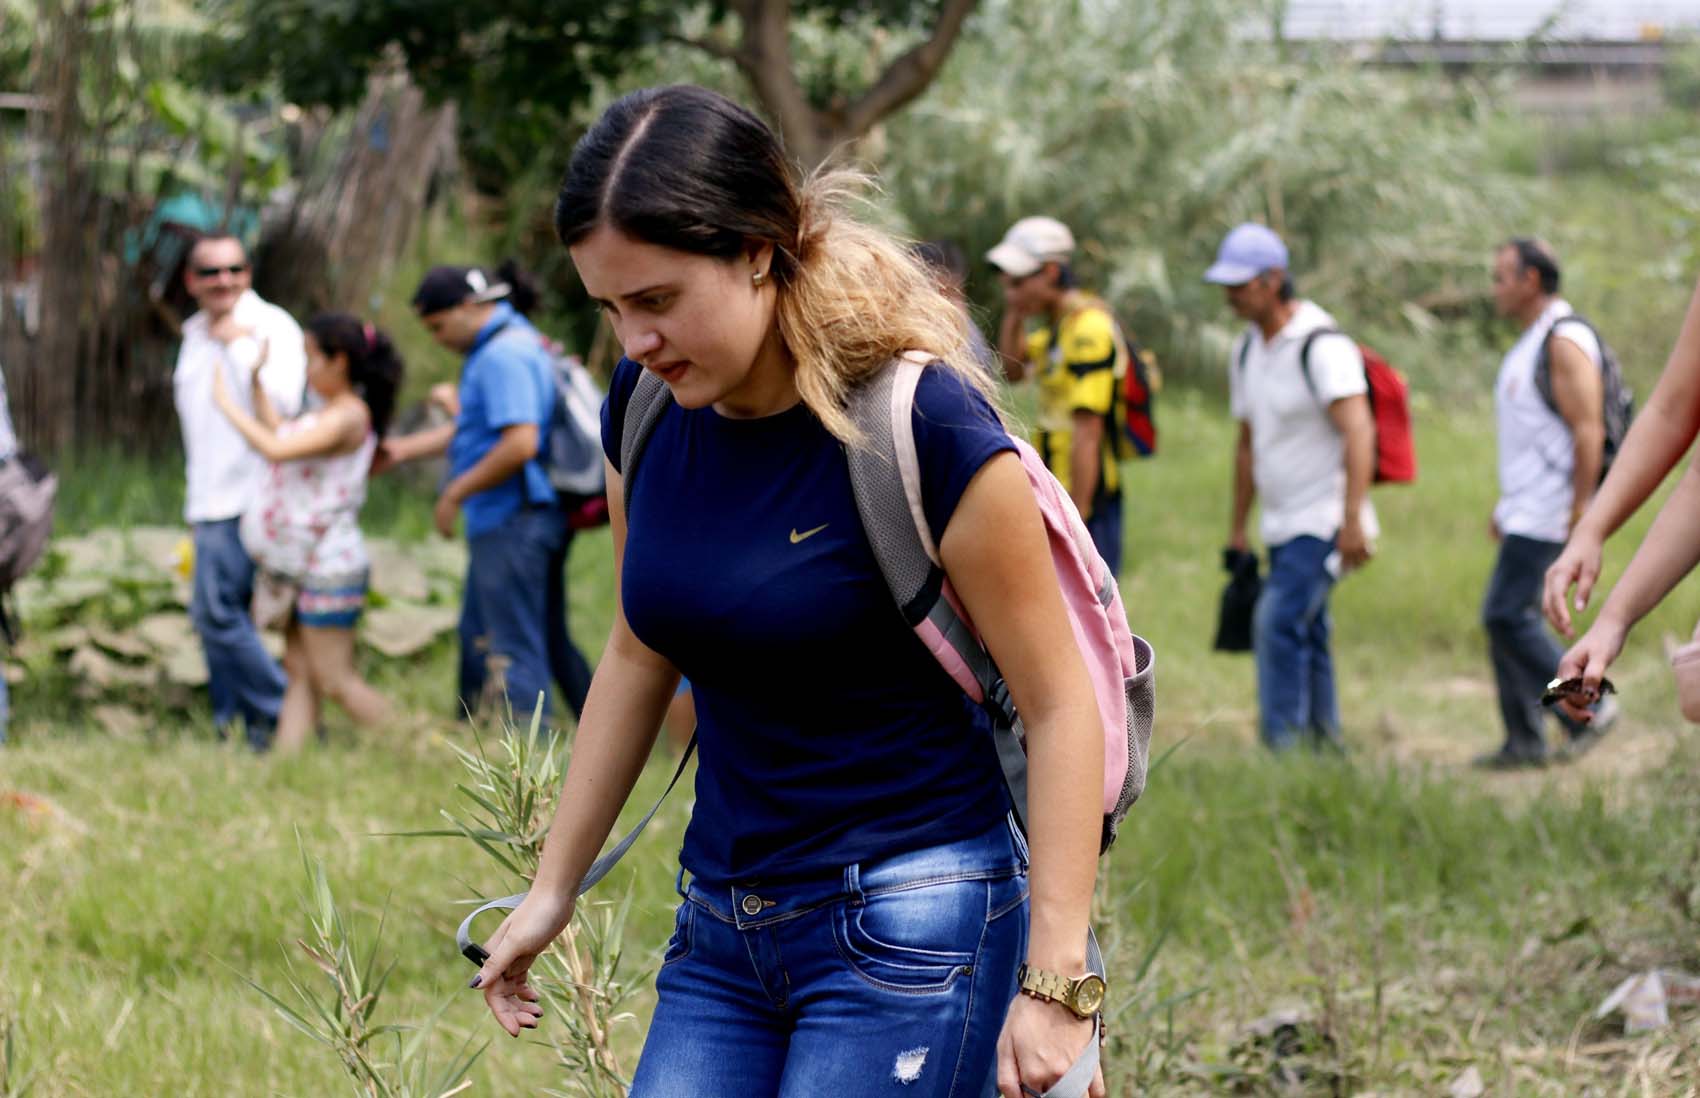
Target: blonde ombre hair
686	168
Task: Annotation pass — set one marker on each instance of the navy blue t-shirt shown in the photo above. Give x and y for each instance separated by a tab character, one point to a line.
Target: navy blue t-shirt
827	733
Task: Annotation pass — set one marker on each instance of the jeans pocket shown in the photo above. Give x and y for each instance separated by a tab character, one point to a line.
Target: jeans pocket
679	945
914	940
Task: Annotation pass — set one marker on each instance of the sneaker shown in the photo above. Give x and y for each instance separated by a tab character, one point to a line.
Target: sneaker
1504	759
1583	739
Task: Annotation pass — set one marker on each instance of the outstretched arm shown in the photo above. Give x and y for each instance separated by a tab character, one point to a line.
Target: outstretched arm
336	431
628	697
1656	440
1669	552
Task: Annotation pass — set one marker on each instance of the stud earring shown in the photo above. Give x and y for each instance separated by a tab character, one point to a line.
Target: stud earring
759	278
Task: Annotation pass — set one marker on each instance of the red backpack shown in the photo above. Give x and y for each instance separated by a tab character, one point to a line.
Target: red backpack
1389	406
1139	395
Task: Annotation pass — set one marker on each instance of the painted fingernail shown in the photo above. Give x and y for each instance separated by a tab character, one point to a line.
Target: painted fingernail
476	980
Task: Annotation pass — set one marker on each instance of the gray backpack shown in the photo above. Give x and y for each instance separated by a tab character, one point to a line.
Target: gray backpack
27	494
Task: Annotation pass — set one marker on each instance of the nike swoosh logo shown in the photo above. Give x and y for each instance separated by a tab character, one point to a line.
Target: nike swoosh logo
807	534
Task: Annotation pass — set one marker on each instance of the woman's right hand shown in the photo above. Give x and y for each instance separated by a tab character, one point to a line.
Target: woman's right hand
505	978
1579	567
1588	660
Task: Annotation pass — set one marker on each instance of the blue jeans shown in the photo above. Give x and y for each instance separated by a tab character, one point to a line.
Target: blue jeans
889	977
1105	526
1524	653
513	579
242	678
1290	631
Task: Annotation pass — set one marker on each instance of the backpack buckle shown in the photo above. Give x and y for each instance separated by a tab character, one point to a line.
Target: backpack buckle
998	704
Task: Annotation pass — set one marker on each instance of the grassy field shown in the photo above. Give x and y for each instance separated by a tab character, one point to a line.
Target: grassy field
1417	917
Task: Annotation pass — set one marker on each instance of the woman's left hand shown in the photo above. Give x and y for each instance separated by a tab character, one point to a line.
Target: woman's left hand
1039	1043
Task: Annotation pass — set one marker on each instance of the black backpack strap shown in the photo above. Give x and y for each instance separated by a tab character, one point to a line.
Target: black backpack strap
1543	357
1304	358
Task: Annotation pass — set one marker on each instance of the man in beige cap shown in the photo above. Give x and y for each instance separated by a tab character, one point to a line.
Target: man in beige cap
1077	358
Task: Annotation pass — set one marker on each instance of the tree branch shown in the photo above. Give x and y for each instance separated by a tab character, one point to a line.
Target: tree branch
907	76
714	47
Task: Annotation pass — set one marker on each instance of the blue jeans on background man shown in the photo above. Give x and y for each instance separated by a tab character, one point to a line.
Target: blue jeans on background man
882	978
1290	634
1525	655
242	678
1105	526
513	589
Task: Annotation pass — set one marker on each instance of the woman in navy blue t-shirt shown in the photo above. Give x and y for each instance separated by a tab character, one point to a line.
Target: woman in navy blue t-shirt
858	901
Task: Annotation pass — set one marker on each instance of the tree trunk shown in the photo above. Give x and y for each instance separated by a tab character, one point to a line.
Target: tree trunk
45	400
811	134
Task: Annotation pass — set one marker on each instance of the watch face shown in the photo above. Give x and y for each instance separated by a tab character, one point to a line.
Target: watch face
1089	994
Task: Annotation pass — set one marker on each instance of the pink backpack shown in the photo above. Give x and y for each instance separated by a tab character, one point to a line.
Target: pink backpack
886	478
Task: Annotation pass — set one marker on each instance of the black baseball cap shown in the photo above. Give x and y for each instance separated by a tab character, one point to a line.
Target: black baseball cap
445	287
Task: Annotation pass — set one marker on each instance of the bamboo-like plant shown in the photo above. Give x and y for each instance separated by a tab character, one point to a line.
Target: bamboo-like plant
508	801
338	1007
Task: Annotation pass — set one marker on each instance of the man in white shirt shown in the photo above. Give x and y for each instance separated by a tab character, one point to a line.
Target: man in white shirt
1306	449
234	332
1549	405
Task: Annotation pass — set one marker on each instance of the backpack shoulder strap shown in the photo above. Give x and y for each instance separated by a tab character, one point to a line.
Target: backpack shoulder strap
650	397
885	478
1304	357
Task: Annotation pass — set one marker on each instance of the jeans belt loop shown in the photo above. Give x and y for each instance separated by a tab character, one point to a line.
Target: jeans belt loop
853	883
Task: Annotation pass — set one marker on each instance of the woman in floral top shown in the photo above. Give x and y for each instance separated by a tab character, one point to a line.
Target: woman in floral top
303	530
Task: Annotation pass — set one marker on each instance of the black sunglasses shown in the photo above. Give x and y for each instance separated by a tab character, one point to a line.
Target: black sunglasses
211	272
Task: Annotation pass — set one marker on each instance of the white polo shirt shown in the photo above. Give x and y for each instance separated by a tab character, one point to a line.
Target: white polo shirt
1537	453
1298	456
225	473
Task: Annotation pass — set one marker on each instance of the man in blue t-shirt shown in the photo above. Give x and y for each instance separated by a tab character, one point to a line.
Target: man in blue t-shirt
513	618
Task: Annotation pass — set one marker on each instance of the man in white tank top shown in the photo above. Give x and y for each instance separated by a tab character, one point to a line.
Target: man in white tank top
1550	455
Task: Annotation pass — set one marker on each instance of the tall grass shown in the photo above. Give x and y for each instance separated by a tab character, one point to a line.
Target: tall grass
1419	915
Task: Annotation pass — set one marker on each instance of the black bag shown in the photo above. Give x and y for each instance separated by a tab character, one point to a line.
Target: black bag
1239	600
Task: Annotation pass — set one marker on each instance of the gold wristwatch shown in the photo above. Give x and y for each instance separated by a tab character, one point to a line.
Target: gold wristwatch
1083	995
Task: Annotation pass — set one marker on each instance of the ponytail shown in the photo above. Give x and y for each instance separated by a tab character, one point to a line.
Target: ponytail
523	293
852	298
375	368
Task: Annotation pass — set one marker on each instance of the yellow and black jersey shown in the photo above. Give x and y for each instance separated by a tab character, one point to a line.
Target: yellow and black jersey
1079	371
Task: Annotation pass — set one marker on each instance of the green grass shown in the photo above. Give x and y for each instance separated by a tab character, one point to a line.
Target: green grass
1429	916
